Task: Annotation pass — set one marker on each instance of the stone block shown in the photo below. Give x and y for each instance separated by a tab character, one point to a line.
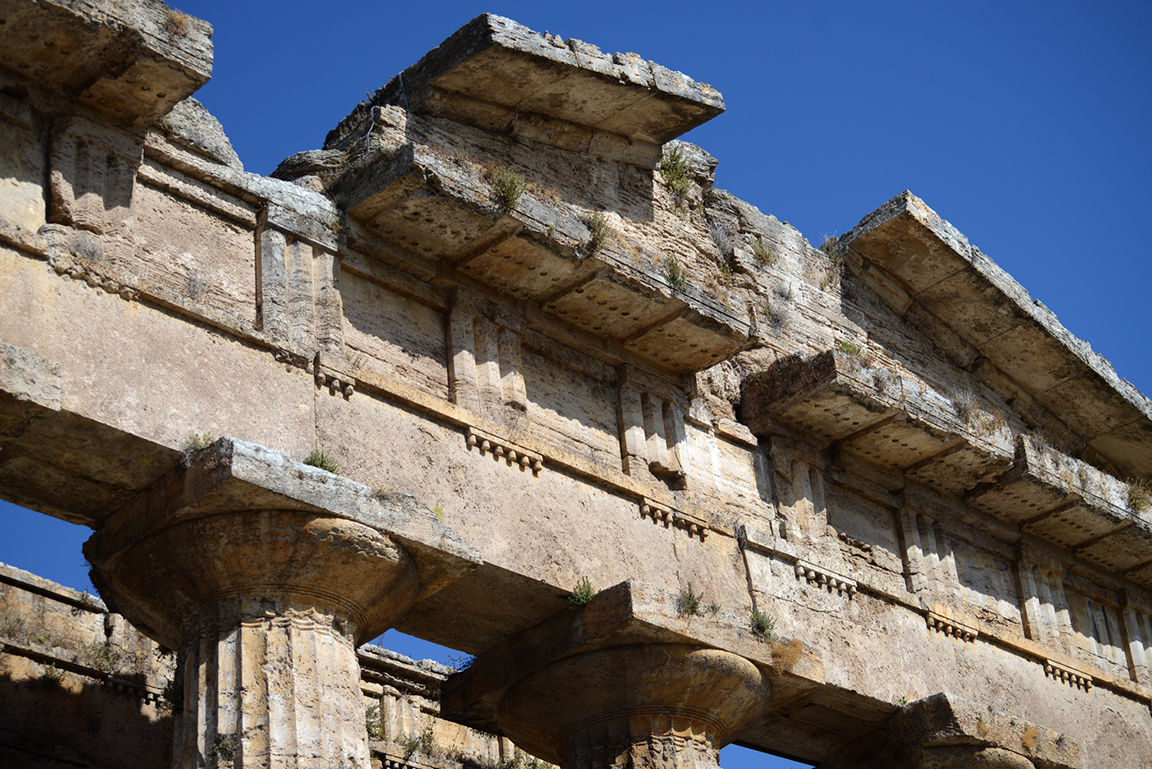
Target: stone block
131	62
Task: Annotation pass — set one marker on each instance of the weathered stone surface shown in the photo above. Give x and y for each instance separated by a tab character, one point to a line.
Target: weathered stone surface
192	126
983	305
266	597
79	685
495	72
131	61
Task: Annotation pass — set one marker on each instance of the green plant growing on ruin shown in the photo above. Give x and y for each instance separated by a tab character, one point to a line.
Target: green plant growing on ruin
12	626
990	421
438	511
964	403
518	761
834	268
507	186
763	626
831	246
171	698
762	253
690	601
727	267
581	595
411	745
105	657
200	441
51	675
427	742
374	724
1140	495
598	232
848	348
322	461
225	746
674	169
977	419
713	609
882	379
674	273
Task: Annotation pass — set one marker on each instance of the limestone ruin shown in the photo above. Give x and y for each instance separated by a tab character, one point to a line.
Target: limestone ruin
498	345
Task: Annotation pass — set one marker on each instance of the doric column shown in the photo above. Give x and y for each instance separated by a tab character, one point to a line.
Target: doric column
266	608
646	706
266	574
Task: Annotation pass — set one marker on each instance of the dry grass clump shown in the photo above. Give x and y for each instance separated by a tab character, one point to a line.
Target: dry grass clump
177	23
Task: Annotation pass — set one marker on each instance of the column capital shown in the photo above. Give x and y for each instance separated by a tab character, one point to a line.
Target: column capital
245	527
947	732
627	678
665	705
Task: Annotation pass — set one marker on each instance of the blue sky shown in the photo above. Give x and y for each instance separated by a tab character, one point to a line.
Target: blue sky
1025	124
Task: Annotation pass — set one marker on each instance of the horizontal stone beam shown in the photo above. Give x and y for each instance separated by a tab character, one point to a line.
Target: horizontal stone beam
944	721
502	76
131	61
923	259
880	417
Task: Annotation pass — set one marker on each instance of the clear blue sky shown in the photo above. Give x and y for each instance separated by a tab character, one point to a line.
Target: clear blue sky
1025	124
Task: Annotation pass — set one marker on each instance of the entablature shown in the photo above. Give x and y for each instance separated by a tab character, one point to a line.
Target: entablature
914	435
591	270
987	323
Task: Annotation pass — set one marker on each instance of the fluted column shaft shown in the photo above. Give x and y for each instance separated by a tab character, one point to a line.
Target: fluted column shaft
280	691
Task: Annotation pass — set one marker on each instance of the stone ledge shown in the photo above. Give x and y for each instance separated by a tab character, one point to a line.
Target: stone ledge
885	420
131	61
1072	505
502	76
297	211
923	259
880	418
35	584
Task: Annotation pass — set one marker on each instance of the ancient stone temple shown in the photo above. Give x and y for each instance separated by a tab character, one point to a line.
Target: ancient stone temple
500	367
